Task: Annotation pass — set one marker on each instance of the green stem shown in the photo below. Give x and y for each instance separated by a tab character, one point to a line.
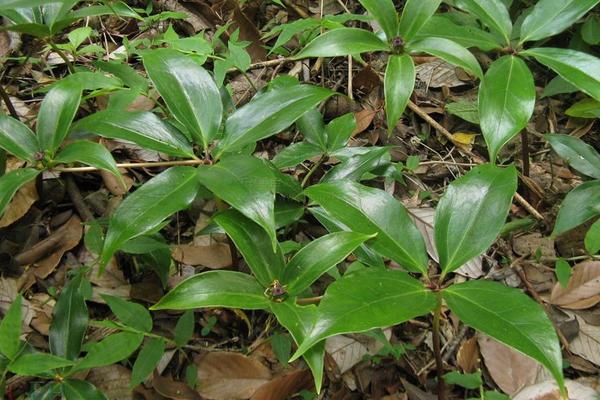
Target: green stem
63	56
312	170
437	349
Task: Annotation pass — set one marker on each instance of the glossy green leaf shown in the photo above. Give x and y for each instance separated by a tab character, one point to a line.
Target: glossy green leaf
342	42
34	364
69	321
339	131
12	4
563	272
373	211
56	114
10	330
506	101
492	13
558	86
579	206
368	299
592	238
295	154
184	329
385	14
254	244
147	360
590	31
74	389
317	257
298	320
312	127
356	166
189	91
142	128
450	52
17	138
50	391
89	153
398	84
580	69
465	109
550	17
468	381
215	289
287	212
248	185
415	15
510	317
110	350
146	208
586	108
130	314
471	214
11	182
270	113
580	155
467	36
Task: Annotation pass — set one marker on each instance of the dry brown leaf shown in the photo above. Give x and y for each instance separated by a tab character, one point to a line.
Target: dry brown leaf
171	389
583	290
113	380
213	256
424	219
8	293
70	235
20	204
284	386
467	356
587	343
532	243
347	351
438	73
43	305
548	390
230	376
363	119
511	370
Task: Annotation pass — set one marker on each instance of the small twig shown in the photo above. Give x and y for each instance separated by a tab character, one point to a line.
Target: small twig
75	195
350	78
309	300
525	152
437	350
312	170
9	104
63	56
132	165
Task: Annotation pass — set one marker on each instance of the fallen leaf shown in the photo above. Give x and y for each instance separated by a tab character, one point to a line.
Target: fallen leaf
20	204
587	342
70	235
230	376
347	351
467	357
112	380
424	219
464	138
548	390
511	370
213	256
438	73
414	393
284	386
533	244
363	119
172	389
583	290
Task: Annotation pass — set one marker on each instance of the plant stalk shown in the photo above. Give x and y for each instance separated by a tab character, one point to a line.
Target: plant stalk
437	348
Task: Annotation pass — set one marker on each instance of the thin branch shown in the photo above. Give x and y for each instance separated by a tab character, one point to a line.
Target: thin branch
133	165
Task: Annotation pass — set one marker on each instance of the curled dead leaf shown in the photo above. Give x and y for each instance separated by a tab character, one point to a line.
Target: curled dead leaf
20	204
284	386
214	256
548	390
583	290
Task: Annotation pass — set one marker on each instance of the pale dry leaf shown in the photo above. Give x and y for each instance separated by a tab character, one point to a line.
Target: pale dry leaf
70	235
20	204
511	370
424	219
548	390
284	386
347	351
438	73
113	381
534	243
230	376
8	293
467	357
587	343
172	389
583	289
213	256
363	119
43	305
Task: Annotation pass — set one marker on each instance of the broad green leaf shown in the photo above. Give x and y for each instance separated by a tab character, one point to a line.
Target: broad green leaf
312	127
592	238
12	4
317	257
579	205
146	208
110	350
147	360
295	154
368	299
580	155
465	109
298	320
492	13
563	272
468	381
472	213
189	91
34	364
373	211
254	244
13	181
506	101
590	31
342	42
449	51
17	139
69	321
580	69
339	131
385	14
398	84
50	391
184	329
558	86
510	317
74	389
56	114
142	128
125	72
130	314
10	330
354	167
415	15
90	153
586	108
248	185
215	289
270	113
550	17
287	212
467	36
